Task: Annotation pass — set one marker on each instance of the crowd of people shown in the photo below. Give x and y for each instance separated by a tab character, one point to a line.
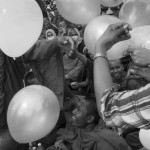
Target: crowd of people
104	103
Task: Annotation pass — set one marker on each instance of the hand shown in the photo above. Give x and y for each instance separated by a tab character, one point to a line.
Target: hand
74	85
140	56
66	42
60	145
144	72
114	33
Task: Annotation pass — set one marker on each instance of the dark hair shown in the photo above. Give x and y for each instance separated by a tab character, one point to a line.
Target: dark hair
93	108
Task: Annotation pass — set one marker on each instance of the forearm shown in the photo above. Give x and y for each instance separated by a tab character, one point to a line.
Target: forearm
102	76
81	57
42	49
83	84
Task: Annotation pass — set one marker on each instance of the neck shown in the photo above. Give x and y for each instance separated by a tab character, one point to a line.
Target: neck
89	127
117	81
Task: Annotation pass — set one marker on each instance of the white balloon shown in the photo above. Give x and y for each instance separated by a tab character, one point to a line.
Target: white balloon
78	11
32	113
111	3
140	37
136	12
144	136
96	28
21	23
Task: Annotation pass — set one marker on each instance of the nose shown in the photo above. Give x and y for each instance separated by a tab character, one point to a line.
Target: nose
115	70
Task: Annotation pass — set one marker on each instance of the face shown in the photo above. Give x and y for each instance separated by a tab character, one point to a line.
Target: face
46	23
74	35
50	35
80	114
116	69
62	27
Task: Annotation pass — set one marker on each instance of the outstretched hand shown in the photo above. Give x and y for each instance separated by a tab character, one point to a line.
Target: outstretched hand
66	42
113	34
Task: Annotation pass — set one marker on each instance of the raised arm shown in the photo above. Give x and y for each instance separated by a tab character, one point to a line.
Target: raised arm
102	76
45	48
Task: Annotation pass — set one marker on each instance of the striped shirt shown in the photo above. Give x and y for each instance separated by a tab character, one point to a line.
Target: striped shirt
127	108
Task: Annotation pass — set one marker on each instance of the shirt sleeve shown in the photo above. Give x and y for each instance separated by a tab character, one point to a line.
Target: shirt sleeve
74	74
41	50
127	108
103	145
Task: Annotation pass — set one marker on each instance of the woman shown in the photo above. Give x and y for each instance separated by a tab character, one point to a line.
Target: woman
50	34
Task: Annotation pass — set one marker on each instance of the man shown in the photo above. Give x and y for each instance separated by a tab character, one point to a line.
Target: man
45	59
125	108
88	133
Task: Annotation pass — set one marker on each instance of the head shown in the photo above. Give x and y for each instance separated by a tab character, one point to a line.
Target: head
85	113
75	34
62	27
116	69
135	82
46	26
30	79
46	23
50	34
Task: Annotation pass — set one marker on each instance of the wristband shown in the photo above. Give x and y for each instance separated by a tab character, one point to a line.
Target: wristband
100	55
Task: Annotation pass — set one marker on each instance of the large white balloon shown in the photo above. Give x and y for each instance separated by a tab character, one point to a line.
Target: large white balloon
32	113
144	136
136	12
140	36
96	28
111	3
21	23
78	11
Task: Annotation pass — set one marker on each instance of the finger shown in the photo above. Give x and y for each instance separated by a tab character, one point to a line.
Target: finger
123	38
118	25
137	72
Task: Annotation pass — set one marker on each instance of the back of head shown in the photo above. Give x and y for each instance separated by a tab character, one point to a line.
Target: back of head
92	108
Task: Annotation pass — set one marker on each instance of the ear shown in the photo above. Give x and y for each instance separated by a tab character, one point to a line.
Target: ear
91	118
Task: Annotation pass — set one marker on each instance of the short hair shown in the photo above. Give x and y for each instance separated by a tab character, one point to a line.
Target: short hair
93	108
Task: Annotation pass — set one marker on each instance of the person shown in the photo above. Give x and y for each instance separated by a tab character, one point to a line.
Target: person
11	81
46	26
116	70
86	86
88	133
45	60
62	28
50	34
73	66
125	108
